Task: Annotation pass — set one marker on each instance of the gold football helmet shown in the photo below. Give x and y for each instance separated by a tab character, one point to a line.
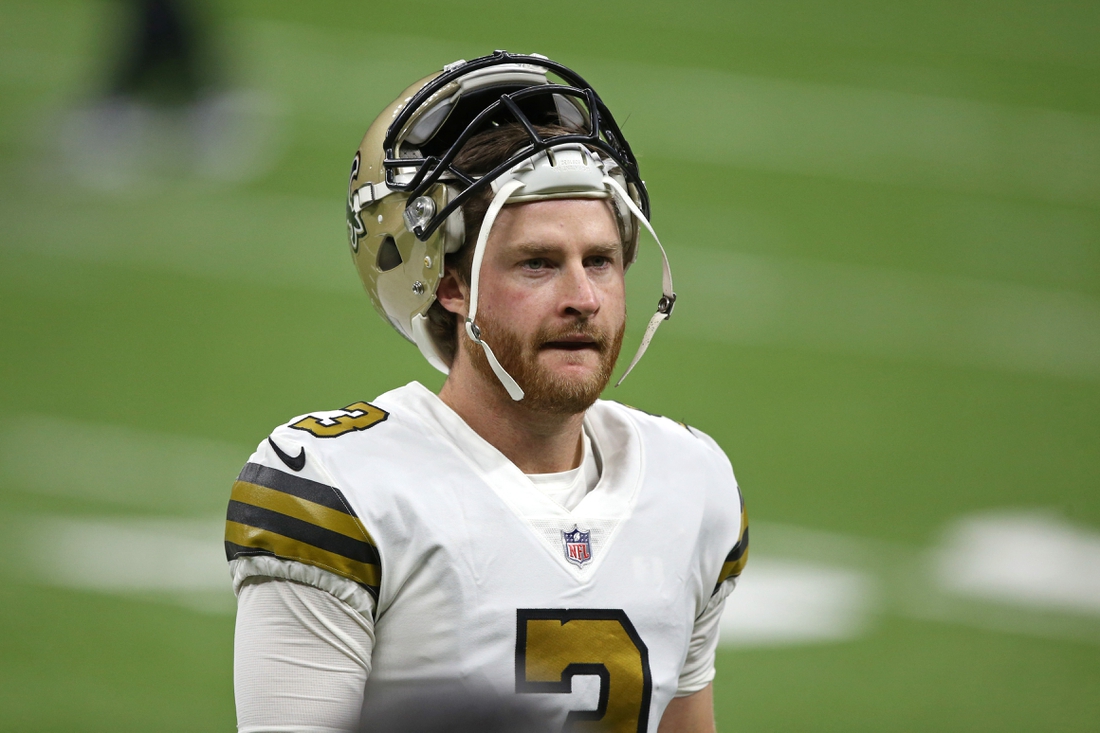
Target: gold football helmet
405	192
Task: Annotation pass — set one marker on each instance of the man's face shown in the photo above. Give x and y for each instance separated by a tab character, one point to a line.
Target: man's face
551	301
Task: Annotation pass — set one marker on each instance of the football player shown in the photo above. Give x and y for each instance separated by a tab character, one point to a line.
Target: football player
513	533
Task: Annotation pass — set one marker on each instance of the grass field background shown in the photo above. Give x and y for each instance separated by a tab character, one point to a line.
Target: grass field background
884	224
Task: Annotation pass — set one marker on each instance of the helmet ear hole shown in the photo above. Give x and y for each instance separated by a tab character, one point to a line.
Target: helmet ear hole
389	256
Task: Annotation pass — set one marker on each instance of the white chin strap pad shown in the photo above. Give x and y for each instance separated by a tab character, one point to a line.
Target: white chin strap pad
501	198
570	171
668	296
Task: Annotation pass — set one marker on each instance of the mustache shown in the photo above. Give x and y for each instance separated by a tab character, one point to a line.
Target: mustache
600	338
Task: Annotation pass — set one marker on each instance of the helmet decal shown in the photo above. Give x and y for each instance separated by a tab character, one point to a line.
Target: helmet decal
356	230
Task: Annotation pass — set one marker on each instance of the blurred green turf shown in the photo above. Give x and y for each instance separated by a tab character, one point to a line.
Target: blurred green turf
219	312
912	676
85	662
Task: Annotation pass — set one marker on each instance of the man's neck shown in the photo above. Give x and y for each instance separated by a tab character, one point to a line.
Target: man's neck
536	442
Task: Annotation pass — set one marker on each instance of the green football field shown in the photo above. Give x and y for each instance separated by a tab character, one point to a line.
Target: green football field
884	227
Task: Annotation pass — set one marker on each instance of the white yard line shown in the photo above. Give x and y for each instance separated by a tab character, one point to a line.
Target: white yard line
1027	559
118	466
178	561
126	555
779	602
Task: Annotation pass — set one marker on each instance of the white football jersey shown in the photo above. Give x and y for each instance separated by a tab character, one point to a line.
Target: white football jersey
476	575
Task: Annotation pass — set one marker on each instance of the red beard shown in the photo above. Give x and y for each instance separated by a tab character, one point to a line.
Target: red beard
543	390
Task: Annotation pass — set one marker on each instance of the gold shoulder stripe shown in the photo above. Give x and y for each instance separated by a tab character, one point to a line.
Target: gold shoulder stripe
738	556
253	538
731	570
311	534
275	513
299	508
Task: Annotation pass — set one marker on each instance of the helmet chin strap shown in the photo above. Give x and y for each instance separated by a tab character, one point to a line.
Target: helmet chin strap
668	296
501	198
506	190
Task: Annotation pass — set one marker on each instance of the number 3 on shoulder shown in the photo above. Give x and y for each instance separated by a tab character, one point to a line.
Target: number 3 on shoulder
553	646
356	416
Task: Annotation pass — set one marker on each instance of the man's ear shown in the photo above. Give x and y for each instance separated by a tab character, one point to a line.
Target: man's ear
452	294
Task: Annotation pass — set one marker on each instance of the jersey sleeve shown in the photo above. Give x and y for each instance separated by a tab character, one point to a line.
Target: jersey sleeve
729	524
698	670
301	659
727	514
297	525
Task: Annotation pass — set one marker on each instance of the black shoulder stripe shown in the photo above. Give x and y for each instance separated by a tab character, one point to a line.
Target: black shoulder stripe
740	548
296	529
303	488
365	575
242	541
233	551
737	557
277	514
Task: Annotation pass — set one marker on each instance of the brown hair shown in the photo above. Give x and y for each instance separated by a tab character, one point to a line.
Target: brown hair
481	153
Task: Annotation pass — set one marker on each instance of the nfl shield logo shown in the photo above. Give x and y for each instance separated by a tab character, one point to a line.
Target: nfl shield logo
578	550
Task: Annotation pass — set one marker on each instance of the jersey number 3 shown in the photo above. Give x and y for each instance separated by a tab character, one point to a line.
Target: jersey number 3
553	646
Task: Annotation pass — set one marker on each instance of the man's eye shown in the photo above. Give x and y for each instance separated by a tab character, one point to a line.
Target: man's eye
599	261
534	264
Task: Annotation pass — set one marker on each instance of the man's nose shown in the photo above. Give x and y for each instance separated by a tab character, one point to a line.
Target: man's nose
579	296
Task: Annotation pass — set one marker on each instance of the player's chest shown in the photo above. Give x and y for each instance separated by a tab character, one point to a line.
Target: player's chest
509	537
477	582
496	605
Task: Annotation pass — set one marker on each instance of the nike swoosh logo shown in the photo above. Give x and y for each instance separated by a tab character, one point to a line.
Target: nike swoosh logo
294	463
